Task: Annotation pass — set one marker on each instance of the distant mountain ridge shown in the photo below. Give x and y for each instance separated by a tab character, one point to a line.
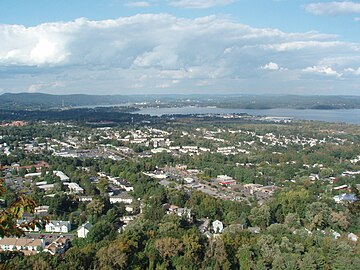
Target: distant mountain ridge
41	101
48	101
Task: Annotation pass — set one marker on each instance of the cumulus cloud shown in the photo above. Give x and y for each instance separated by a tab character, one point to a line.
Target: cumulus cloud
326	70
333	8
147	51
272	66
199	4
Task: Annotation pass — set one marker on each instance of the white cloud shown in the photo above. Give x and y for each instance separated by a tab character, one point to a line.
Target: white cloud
43	86
199	4
357	19
138	4
150	50
326	70
353	71
333	8
272	66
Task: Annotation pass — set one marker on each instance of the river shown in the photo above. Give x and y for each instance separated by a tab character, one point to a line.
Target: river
351	116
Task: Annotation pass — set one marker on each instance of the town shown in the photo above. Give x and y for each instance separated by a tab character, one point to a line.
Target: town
90	183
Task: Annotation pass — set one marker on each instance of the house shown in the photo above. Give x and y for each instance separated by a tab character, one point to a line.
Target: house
254	229
22	221
188	180
30	175
47	187
314	177
58	226
63	177
129	209
24	245
340	187
121	198
336	235
41	210
353	237
58	246
185	213
74	188
127	219
345	198
204	226
83	230
227	183
85	198
169	208
217	226
123	184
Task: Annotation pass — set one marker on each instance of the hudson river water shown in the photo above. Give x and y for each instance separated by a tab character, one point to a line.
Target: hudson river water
351	116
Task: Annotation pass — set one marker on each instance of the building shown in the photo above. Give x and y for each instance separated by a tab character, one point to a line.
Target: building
24	245
41	210
185	213
217	226
121	198
85	198
345	198
74	188
23	221
58	226
63	177
83	230
353	237
254	230
58	246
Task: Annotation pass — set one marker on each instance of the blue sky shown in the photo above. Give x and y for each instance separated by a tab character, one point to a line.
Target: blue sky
180	46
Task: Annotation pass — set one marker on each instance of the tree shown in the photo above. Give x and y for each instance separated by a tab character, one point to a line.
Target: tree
8	217
103	185
292	221
95	208
339	221
260	216
115	255
193	248
244	255
168	247
100	231
319	215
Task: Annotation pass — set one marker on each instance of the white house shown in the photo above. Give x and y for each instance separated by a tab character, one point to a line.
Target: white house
83	230
63	177
185	213
58	226
353	237
41	210
74	188
123	197
217	226
24	245
85	198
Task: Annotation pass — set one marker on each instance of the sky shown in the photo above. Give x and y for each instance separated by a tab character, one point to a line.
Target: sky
304	47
